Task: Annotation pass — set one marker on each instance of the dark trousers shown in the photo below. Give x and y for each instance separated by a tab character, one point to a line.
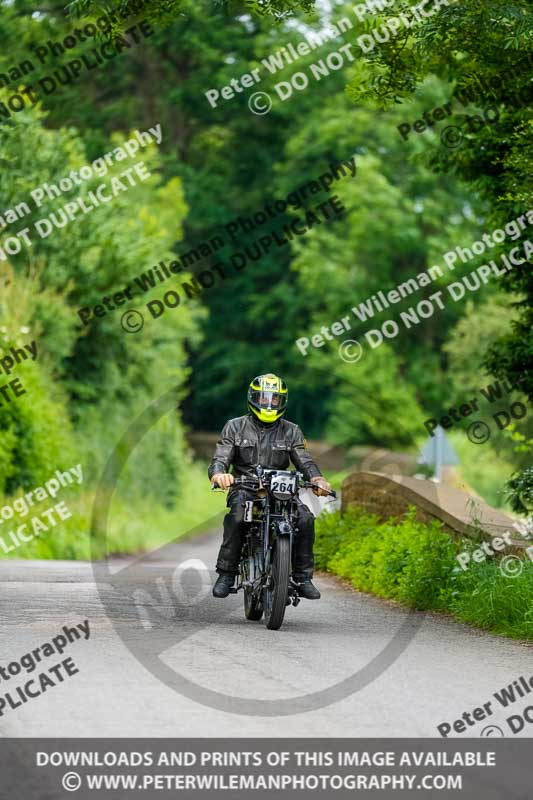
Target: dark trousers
235	529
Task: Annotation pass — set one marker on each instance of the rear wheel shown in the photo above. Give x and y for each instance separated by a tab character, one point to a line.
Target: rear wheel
253	601
275	596
253	606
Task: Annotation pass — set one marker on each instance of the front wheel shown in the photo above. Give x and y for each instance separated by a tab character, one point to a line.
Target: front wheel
275	596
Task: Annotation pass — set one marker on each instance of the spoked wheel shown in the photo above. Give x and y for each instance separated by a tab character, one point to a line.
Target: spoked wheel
275	595
253	602
253	605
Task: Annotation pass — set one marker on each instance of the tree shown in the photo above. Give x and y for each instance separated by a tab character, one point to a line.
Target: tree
483	49
108	376
410	202
467	343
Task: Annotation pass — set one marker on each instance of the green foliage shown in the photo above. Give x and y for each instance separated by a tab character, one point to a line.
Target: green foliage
135	525
404	210
483	469
164	11
520	493
35	432
480	327
371	404
107	377
408	561
522	444
409	203
469	44
483	597
35	435
416	564
400	217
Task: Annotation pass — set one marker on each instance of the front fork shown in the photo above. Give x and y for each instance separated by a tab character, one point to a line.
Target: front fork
284	528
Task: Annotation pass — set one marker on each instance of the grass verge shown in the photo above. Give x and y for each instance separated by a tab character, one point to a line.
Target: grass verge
416	564
135	525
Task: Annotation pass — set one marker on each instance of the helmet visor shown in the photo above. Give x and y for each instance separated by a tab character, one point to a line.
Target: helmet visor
269	401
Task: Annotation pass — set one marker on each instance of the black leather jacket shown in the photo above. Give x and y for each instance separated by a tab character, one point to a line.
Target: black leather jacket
244	443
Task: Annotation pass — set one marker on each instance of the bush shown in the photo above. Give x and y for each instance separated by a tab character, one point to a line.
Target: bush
415	564
520	488
35	434
409	561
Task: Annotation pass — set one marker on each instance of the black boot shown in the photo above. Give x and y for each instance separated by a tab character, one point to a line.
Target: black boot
224	583
307	589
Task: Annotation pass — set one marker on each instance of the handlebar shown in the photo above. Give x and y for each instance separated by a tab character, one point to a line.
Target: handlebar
252	484
309	485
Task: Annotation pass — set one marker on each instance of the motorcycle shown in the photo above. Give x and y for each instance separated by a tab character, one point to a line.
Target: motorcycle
265	564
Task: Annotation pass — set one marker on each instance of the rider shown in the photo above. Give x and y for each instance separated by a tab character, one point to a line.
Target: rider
263	437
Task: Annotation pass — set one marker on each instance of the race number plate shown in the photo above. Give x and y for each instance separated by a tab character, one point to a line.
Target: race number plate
283	485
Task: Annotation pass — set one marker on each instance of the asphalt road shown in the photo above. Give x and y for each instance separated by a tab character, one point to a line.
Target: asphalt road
148	619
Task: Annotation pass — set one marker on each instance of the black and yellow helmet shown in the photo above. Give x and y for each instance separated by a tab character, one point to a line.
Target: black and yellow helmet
267	397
